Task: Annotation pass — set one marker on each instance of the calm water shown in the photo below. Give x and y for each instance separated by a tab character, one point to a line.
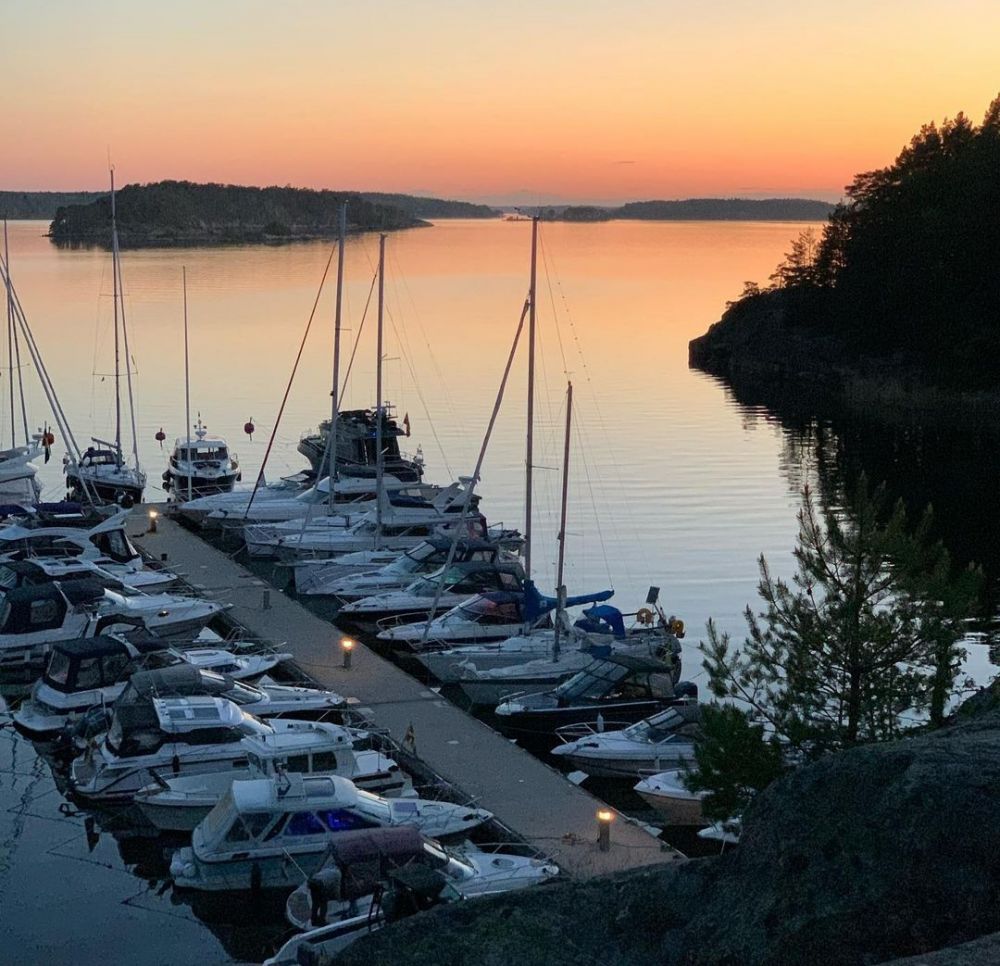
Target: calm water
676	481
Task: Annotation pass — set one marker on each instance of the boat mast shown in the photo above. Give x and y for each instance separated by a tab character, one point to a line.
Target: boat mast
560	588
10	334
335	394
531	398
379	455
187	385
114	299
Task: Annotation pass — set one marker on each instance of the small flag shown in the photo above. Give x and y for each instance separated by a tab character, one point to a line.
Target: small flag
406	423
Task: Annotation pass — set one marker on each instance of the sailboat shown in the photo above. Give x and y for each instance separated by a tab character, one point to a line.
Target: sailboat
203	465
18	482
101	474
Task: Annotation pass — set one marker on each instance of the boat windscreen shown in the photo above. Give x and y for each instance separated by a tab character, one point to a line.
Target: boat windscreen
218	820
594	682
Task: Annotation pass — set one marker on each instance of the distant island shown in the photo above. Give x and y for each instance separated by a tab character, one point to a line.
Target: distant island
184	213
700	209
895	306
41	204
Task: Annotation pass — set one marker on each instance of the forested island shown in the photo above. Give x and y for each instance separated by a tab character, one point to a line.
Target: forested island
181	212
703	209
41	204
897	301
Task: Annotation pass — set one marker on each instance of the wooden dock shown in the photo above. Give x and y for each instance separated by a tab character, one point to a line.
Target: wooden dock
535	801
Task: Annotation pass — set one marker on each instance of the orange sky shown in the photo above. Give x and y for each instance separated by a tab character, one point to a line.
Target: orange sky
579	100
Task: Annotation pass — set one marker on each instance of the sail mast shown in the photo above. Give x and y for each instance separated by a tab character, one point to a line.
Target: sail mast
187	382
560	588
531	398
114	299
379	456
335	393
10	334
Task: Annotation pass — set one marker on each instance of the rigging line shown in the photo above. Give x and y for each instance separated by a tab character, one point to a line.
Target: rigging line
420	396
593	502
129	362
357	339
291	379
552	301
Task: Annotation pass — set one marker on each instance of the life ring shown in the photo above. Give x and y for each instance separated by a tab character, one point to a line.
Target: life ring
677	627
644	616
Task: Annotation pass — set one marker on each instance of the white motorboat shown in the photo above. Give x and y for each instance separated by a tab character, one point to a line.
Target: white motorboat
171	737
200	465
430	595
352	495
273	831
47	569
527	654
92	672
487	617
19	484
179	804
662	741
285	488
377	876
668	794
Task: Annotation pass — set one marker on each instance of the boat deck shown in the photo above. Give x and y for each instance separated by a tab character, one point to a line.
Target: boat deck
535	801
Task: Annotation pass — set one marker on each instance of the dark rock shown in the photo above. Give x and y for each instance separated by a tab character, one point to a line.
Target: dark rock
879	852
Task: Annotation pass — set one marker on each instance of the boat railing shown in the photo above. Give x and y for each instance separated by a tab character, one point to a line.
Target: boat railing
584	729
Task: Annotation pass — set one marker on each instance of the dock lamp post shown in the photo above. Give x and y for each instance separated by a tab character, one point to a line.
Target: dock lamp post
604	819
347	646
153	515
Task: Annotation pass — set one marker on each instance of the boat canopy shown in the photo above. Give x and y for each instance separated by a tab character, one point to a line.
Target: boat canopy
602	619
99	661
535	605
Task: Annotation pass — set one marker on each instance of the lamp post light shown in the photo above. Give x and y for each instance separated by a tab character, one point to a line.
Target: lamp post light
347	646
604	819
153	515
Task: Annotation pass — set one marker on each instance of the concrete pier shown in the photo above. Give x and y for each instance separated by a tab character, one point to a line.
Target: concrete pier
532	799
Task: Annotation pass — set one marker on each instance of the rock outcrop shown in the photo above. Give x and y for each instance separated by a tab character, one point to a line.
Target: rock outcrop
870	855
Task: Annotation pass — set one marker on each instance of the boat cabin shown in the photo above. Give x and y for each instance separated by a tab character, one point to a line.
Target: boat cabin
680	720
323	749
618	677
41	607
473	577
98	662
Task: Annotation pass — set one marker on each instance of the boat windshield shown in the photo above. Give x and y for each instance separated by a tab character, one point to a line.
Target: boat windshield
253	727
485	610
408	563
594	682
8	578
375	806
656	728
58	669
215	823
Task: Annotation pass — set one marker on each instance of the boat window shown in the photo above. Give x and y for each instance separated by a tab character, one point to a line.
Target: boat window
8	577
114	667
140	742
50	546
5	614
297	763
324	761
594	682
510	581
115	545
304	823
257	822
88	674
58	670
435	856
237	832
210	736
241	694
256	764
276	828
219	817
44	614
251	726
340	820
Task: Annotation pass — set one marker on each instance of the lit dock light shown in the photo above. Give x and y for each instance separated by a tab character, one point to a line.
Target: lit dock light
347	646
153	516
604	819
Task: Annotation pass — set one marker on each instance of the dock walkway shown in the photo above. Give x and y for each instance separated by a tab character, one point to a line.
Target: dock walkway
532	799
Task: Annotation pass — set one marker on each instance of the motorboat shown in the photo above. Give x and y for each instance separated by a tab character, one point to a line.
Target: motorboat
179	804
18	474
312	576
609	690
352	496
425	558
399	524
169	737
200	465
356	452
275	831
530	656
287	487
485	618
434	593
93	671
376	877
47	569
668	794
662	741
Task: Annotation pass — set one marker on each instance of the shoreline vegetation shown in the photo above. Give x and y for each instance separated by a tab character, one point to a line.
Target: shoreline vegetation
894	309
183	213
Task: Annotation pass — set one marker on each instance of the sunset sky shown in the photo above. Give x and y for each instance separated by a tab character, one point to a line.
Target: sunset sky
544	100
